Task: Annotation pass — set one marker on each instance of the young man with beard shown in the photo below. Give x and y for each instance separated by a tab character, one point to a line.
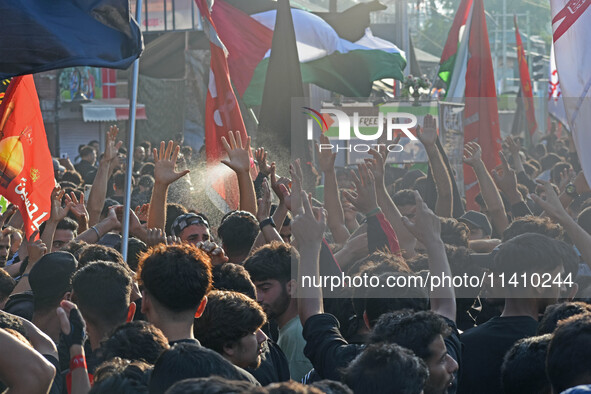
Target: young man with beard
270	270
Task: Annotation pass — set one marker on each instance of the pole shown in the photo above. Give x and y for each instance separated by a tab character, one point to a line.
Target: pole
130	145
504	74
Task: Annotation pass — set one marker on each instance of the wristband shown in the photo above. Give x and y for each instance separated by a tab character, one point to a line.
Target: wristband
373	212
98	235
266	222
78	361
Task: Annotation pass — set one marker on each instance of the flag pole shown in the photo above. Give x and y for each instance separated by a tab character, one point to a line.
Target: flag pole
130	145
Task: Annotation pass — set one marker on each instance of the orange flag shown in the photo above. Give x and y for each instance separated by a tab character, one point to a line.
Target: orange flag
26	167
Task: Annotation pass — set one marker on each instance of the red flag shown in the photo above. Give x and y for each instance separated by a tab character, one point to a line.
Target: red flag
246	39
222	114
526	87
481	116
26	167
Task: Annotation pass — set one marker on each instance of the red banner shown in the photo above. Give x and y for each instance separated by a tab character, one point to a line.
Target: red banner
526	86
26	167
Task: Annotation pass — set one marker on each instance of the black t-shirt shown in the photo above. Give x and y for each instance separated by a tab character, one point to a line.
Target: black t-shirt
484	349
274	367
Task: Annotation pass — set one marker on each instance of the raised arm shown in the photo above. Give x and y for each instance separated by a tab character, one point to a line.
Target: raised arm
268	231
98	192
428	136
164	174
490	193
239	161
556	211
506	181
427	229
58	213
334	210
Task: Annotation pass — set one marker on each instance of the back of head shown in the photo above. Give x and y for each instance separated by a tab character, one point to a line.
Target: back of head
121	376
404	197
228	317
237	232
7	284
102	291
178	276
532	252
187	360
331	387
50	278
549	160
568	363
135	248
412	330
272	261
454	232
386	367
135	341
233	277
524	367
584	219
94	252
291	387
555	313
533	224
210	385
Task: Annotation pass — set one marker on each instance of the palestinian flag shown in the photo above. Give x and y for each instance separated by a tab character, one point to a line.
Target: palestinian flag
329	61
455	53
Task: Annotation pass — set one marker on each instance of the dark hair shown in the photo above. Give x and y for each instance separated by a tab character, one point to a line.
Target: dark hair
86	150
210	385
237	233
189	360
135	248
272	261
549	160
102	291
147	169
529	169
412	330
555	313
331	387
73	177
135	341
233	277
228	317
404	197
291	387
524	367
533	224
386	367
118	180
454	232
121	376
568	361
177	276
93	252
173	211
7	284
531	252
8	321
146	181
64	224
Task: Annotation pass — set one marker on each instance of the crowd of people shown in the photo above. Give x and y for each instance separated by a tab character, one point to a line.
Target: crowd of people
204	306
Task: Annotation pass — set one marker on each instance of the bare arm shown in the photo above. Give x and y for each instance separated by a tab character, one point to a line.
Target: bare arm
427	229
239	161
23	369
268	233
332	203
98	192
490	193
428	136
58	213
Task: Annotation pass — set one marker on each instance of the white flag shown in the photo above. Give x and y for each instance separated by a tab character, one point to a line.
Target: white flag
555	102
571	27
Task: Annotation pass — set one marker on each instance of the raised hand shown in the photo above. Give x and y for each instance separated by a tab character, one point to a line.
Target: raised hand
155	236
58	213
214	251
76	206
71	323
280	187
238	157
308	225
551	205
295	170
10	210
428	134
142	212
364	198
111	146
427	226
472	154
165	163
261	156
325	157
506	179
513	146
35	249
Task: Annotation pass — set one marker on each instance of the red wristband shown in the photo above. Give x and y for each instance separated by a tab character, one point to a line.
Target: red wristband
78	361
